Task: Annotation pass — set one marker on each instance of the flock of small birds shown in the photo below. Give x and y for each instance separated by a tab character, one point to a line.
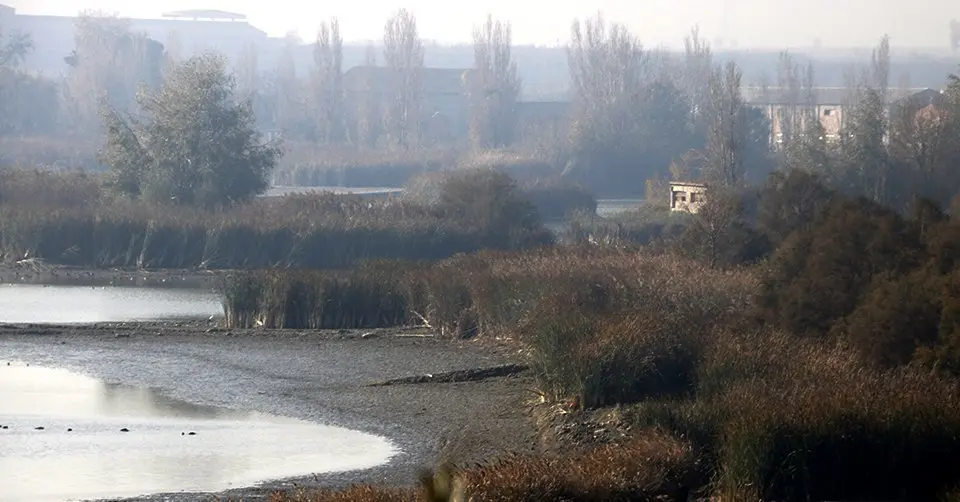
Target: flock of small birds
69	429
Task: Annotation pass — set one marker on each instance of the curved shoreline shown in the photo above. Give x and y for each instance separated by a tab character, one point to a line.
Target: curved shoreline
325	377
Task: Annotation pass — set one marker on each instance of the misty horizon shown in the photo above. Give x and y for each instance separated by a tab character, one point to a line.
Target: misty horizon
729	24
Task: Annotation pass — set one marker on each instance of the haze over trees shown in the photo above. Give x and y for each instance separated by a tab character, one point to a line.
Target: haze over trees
192	143
636	114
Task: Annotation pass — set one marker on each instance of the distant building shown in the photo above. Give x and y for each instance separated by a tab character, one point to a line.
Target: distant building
193	31
829	104
917	101
687	196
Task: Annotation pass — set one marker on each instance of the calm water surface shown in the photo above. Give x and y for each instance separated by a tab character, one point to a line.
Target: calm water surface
23	303
96	459
605	207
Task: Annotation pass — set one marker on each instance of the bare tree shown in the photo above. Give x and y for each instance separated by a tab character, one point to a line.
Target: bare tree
173	53
288	106
494	86
608	72
248	71
789	81
697	68
28	103
369	115
14	48
328	82
880	67
403	55
726	133
109	65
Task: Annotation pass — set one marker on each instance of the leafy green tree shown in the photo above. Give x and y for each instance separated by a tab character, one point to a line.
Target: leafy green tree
194	144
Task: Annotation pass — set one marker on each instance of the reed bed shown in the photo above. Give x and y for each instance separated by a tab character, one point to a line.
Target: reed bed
68	219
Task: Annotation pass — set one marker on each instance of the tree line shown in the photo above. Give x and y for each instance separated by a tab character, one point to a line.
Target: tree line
635	113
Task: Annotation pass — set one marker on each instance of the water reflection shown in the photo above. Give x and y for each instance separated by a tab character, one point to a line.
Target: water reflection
94	459
32	303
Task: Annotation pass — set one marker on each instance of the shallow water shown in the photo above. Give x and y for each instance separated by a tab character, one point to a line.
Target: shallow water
23	303
610	207
95	459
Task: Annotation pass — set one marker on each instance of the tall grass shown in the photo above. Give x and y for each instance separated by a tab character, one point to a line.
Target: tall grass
655	466
495	293
65	218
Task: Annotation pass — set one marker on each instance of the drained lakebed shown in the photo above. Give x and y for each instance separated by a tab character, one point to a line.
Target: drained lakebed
104	440
162	372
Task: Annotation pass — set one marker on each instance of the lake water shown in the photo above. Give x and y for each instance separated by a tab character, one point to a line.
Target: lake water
610	207
22	303
81	453
605	207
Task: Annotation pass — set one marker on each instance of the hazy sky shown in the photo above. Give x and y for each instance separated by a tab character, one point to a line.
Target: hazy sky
752	23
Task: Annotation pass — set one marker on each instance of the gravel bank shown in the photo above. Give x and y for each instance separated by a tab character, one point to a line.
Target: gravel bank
320	376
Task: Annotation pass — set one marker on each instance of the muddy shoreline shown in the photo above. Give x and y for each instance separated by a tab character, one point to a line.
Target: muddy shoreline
39	272
473	408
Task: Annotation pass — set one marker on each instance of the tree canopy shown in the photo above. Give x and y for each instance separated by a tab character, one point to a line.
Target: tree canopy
193	141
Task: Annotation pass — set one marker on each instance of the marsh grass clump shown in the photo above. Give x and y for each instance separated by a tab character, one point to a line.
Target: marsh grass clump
652	466
369	297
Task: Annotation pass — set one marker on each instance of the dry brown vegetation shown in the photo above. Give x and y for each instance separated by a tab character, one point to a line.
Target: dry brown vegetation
654	466
774	411
67	218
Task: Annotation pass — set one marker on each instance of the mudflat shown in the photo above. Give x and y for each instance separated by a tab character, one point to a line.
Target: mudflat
435	399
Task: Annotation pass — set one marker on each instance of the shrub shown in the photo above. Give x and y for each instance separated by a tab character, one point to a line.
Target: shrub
556	201
819	275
